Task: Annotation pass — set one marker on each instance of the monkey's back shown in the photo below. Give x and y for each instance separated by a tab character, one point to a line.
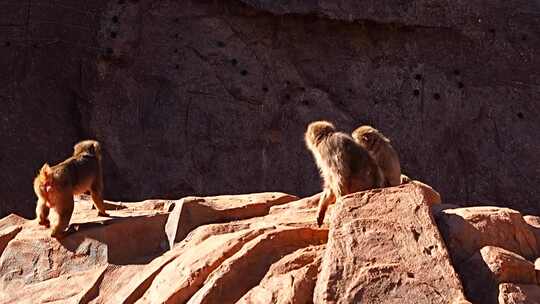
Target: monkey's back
76	172
347	165
365	173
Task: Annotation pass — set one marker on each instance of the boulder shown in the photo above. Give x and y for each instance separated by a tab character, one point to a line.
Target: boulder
507	266
290	280
384	245
467	230
519	294
486	269
33	260
191	212
537	269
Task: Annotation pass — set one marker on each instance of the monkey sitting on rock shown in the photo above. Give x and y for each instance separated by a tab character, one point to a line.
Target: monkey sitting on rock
382	152
345	166
56	185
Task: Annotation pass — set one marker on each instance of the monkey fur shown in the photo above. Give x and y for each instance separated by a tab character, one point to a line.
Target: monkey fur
345	166
56	185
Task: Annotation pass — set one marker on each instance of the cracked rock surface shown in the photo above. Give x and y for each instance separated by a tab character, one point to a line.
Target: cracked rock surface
240	254
374	247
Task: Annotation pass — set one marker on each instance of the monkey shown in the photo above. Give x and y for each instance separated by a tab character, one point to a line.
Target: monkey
56	185
381	150
345	166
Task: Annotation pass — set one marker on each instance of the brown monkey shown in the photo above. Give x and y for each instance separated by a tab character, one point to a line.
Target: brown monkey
345	166
56	185
381	150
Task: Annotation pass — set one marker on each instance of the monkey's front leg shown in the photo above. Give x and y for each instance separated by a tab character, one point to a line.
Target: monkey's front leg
42	213
97	198
327	197
64	210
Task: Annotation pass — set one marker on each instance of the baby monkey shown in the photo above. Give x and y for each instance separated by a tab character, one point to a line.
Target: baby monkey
56	185
345	166
381	150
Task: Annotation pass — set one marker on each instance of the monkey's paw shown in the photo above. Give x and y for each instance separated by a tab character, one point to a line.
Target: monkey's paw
103	213
58	234
45	223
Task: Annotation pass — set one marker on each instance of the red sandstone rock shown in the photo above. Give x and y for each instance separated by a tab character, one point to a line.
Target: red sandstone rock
290	280
191	212
486	269
384	245
519	294
466	230
259	248
507	266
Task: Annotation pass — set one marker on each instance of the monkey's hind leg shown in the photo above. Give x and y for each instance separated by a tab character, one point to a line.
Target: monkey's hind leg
42	213
327	198
64	210
97	197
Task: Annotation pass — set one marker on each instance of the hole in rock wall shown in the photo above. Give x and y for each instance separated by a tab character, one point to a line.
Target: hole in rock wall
436	96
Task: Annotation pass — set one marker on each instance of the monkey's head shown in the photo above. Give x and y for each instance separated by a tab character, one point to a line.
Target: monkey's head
367	136
87	146
317	131
44	182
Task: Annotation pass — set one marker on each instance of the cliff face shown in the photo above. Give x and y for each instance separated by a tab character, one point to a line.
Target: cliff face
208	97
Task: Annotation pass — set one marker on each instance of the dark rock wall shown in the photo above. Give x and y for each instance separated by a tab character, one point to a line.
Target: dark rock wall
212	97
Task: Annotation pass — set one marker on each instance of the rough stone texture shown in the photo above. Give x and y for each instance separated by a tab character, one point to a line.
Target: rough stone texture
384	245
192	212
246	256
467	230
519	294
290	280
211	97
485	270
534	222
507	266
